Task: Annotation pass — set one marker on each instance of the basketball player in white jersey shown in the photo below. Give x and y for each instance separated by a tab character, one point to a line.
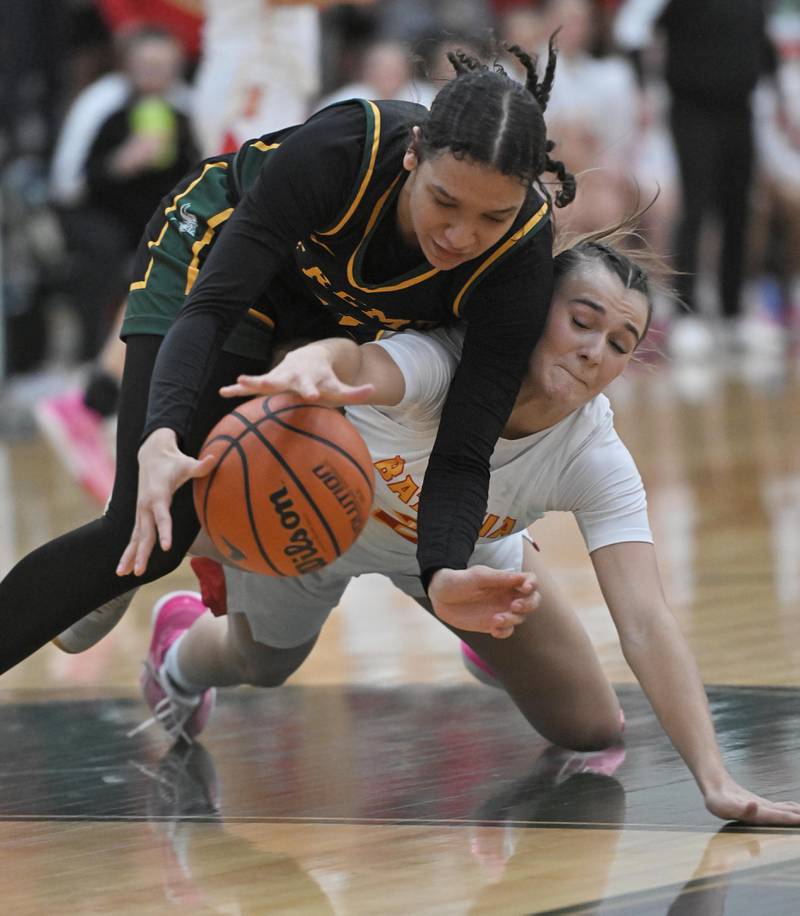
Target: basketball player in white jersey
559	452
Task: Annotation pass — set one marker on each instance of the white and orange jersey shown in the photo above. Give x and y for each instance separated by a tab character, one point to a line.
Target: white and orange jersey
580	465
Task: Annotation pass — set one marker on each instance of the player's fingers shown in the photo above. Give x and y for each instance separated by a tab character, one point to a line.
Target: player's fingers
787	806
125	565
509	618
163	525
510	603
528	584
307	389
144	543
494	580
141	532
526	605
769	814
249	385
521	583
234	391
784	816
203	467
503	632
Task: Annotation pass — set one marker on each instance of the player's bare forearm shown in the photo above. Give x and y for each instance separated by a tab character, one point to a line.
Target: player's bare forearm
319	371
666	669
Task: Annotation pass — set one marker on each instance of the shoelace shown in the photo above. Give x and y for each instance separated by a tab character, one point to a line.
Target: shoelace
171	712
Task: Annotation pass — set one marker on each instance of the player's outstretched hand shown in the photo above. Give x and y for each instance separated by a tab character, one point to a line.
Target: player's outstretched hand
483	600
732	802
162	469
307	371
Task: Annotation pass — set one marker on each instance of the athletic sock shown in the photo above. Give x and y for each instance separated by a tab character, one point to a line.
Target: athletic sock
177	678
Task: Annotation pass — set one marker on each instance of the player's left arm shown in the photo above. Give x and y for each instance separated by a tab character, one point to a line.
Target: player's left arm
662	661
504	319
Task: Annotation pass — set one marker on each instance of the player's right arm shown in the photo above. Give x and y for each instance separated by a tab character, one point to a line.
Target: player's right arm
282	206
410	372
291	197
337	371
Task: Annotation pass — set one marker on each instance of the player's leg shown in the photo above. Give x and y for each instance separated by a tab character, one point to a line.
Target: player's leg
192	653
60	582
271	626
164	269
551	671
221	652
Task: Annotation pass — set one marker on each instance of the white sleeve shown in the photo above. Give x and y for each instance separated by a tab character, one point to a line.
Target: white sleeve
633	26
428	362
606	494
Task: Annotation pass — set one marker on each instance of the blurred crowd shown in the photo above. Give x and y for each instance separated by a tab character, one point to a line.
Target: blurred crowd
693	105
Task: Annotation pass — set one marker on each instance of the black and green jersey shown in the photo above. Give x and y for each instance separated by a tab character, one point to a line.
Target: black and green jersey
310	223
344	264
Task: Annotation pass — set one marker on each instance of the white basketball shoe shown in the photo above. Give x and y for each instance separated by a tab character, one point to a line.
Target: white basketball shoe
90	629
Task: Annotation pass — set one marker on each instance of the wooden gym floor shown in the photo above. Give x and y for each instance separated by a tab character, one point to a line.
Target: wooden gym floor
382	779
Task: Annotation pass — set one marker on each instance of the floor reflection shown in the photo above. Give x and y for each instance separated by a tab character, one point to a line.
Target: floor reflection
409	755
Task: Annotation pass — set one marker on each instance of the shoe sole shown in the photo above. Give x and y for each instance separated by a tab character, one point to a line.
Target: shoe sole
75	645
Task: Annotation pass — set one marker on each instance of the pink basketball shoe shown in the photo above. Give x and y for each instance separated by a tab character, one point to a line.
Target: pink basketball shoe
181	714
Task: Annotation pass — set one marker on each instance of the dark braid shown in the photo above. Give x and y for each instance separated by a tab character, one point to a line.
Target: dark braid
485	115
569	185
463	63
546	85
539	90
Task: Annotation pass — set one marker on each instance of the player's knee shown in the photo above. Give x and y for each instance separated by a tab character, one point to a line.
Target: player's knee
267	669
594	735
265	677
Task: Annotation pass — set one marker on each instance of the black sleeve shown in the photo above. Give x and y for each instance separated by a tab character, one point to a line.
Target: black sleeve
302	187
503	325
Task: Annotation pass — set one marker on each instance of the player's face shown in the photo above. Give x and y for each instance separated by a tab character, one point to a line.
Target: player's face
592	330
456	209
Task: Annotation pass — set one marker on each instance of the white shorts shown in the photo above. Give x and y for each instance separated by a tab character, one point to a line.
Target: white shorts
287	612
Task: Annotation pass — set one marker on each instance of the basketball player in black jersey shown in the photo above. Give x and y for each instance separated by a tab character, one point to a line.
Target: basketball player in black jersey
370	217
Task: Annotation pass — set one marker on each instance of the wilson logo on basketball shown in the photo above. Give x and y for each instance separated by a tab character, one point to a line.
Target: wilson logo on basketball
347	498
291	489
301	548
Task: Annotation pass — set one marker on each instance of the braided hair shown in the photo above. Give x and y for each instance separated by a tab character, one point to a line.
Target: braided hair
487	116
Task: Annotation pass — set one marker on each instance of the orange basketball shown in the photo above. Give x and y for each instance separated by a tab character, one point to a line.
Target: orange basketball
292	487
